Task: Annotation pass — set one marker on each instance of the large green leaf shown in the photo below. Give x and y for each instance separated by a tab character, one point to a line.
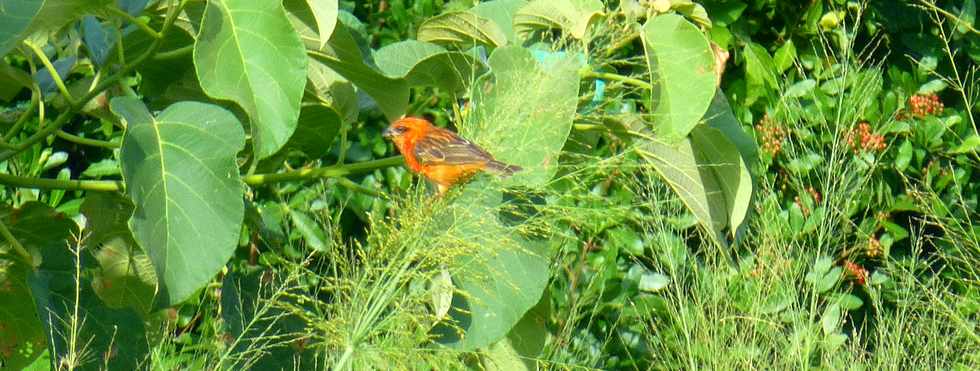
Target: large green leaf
22	336
425	64
181	173
760	72
39	229
21	18
318	125
126	277
53	285
247	52
325	13
571	16
683	69
343	55
116	336
708	174
720	116
502	13
463	29
525	115
499	278
328	87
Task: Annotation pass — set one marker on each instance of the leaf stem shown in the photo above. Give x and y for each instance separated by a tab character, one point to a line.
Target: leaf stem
86	141
16	244
175	53
614	77
136	21
54	72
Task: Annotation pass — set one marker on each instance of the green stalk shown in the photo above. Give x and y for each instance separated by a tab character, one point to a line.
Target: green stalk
252	180
54	72
86	141
614	77
16	244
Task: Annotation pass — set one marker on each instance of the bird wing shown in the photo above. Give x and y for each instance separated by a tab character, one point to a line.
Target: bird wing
446	148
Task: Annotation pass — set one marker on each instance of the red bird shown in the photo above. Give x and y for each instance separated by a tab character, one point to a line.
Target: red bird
440	155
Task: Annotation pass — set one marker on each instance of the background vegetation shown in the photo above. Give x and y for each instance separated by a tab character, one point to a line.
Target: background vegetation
711	185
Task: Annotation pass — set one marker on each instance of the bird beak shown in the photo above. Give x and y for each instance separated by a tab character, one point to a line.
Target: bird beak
388	133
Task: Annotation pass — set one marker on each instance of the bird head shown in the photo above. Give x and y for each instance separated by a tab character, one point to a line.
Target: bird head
406	127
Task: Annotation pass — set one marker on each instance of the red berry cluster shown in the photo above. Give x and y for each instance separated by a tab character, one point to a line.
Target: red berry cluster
856	272
925	105
814	195
772	135
862	139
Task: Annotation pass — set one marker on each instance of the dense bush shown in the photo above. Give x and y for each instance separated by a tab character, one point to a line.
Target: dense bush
724	184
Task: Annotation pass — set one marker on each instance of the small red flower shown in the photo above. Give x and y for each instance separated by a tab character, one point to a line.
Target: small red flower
856	272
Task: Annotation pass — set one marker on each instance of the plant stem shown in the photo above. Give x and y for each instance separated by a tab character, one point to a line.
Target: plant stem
322	172
614	77
16	244
252	180
20	121
173	54
65	116
142	26
622	43
71	185
86	141
54	72
349	184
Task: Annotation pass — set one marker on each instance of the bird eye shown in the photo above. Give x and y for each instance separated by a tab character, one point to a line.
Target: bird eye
401	129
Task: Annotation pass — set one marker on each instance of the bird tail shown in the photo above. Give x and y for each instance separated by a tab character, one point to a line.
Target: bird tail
503	169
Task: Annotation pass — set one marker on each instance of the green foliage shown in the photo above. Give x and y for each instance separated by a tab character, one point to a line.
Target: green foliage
733	184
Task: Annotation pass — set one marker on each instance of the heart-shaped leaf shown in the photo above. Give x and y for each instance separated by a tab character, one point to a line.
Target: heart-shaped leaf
181	174
463	29
247	52
683	69
426	64
525	115
21	18
571	16
343	56
502	13
708	174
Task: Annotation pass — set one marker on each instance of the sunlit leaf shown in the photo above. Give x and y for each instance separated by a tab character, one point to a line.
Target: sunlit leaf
683	69
525	115
463	29
247	52
571	16
425	64
708	174
181	174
